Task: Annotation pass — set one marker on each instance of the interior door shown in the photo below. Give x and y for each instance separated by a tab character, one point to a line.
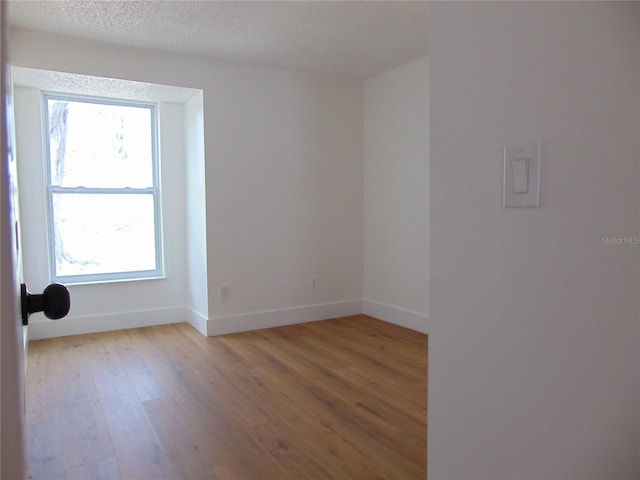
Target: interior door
12	333
16	302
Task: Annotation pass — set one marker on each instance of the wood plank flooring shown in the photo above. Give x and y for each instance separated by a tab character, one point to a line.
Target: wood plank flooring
336	399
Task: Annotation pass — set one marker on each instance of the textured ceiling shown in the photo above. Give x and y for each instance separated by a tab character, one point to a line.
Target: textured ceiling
61	82
358	38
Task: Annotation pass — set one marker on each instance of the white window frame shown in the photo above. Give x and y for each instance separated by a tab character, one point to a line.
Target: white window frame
154	191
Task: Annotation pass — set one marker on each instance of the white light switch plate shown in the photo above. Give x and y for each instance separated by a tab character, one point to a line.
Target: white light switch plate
519	191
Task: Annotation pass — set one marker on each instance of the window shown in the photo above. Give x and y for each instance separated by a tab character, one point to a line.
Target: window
102	185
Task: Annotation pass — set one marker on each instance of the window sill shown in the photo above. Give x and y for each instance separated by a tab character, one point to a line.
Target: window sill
74	283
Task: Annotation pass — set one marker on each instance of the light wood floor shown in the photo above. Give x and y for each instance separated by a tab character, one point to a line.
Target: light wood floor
336	399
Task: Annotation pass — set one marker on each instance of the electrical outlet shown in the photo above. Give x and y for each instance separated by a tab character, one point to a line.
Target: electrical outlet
314	283
225	293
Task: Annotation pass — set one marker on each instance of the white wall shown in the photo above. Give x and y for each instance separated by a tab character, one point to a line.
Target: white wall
396	192
196	214
284	199
534	367
284	179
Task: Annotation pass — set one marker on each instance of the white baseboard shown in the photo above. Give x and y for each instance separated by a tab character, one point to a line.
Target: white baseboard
197	321
275	318
103	323
399	316
225	324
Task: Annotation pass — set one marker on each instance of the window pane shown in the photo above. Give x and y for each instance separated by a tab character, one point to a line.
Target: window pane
97	233
99	145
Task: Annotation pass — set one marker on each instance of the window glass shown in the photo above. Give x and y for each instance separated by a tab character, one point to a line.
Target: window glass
103	233
99	145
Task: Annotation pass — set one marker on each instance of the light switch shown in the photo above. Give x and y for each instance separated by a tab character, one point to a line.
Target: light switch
520	172
521	175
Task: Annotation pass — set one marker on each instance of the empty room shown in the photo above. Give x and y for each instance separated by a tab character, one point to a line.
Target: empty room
235	195
320	240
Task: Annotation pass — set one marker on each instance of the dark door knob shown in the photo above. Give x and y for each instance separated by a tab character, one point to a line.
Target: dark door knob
54	302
